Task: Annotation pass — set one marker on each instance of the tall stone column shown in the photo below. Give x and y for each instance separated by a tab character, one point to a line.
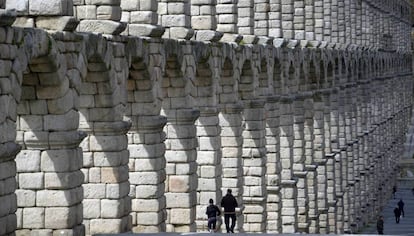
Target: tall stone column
349	116
141	18
299	171
261	20
273	166
343	156
358	28
204	20
227	12
275	19
175	17
310	167
320	160
327	20
309	20
232	142
335	21
299	19
287	12
254	166
341	22
181	183
348	23
330	162
99	16
245	21
288	184
209	155
318	18
106	187
147	173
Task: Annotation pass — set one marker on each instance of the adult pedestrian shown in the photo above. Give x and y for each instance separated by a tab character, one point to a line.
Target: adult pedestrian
212	212
229	203
397	214
401	207
380	225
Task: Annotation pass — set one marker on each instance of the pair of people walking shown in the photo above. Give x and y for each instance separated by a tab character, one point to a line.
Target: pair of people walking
399	211
229	203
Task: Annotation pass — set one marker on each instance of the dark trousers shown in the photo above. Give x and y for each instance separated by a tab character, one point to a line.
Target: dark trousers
380	231
212	223
397	219
227	217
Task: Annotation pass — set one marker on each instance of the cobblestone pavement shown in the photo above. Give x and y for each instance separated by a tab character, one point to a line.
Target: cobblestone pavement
406	225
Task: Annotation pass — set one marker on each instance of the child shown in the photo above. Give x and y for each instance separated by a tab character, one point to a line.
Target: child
212	212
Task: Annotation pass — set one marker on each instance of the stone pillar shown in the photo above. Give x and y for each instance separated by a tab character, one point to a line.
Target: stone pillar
343	156
299	162
347	20
320	160
261	20
341	22
245	21
358	28
99	16
147	173
141	17
232	141
327	20
106	186
275	19
288	184
287	11
209	155
175	17
335	21
254	167
204	20
227	12
330	163
299	19
181	183
50	15
273	166
311	182
309	20
318	18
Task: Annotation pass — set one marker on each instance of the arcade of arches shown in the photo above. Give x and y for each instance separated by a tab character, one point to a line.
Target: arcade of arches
129	115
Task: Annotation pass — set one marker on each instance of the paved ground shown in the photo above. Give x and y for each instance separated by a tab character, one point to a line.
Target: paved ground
406	225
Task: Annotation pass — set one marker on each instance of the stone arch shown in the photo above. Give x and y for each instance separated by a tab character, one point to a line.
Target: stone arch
102	108
49	194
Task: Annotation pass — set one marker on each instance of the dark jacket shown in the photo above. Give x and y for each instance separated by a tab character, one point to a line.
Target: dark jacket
401	204
380	225
229	203
397	212
212	211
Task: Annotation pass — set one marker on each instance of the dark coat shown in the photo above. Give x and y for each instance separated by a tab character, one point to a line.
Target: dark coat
229	203
397	212
380	224
212	211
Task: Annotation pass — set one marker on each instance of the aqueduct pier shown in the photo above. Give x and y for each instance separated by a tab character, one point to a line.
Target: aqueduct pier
109	133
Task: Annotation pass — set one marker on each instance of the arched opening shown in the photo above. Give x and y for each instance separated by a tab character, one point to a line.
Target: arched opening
246	83
264	82
277	77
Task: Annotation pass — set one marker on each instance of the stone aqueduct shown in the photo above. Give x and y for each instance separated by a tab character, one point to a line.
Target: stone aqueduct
300	107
